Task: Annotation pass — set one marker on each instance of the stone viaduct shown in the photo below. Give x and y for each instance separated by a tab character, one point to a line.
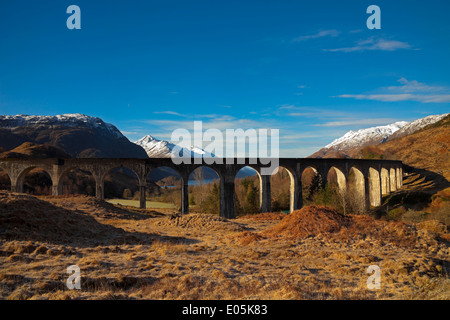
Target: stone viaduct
373	178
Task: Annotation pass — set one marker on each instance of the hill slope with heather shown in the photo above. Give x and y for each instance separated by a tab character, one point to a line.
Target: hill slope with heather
427	148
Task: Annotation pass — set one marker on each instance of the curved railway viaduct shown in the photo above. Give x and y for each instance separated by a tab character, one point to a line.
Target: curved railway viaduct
373	178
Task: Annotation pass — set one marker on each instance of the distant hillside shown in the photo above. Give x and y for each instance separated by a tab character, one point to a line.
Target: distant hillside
78	135
33	150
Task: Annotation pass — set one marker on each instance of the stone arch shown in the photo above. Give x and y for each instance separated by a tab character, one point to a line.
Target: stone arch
311	181
5	180
280	185
356	190
157	182
337	186
200	192
385	184
89	181
341	180
22	175
374	187
159	173
295	190
249	195
106	185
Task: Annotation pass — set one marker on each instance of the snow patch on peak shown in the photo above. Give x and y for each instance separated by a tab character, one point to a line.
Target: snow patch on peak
67	120
164	149
362	137
417	125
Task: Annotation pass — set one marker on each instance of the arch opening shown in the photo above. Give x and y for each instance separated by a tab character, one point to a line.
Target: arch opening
334	194
355	191
247	185
204	190
5	181
282	190
163	185
121	186
312	183
76	181
35	181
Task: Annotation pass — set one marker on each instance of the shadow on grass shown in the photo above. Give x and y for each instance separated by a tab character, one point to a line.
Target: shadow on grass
28	218
398	202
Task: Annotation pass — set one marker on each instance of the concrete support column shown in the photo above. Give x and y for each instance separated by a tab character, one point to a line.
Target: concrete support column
399	178
227	198
142	200
16	185
265	194
99	192
56	190
185	194
385	184
376	190
296	193
392	180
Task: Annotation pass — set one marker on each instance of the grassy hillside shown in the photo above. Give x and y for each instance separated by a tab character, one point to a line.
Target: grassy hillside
427	148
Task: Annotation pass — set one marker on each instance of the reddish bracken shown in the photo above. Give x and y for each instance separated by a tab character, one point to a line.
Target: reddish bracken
309	221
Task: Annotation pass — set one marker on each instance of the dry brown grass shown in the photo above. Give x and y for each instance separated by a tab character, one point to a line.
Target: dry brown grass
266	216
142	255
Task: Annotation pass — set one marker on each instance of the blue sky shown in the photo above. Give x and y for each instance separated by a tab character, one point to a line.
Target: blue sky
309	68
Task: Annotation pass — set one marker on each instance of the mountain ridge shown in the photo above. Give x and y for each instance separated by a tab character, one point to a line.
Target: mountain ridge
78	135
164	149
349	145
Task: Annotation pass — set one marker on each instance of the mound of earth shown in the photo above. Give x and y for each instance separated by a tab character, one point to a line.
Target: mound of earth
200	221
24	217
309	221
353	230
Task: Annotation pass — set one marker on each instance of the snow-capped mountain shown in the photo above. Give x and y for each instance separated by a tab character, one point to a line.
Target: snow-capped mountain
373	135
417	125
77	134
163	149
72	120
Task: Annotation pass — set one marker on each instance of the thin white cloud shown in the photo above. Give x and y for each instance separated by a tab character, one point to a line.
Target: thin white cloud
305	111
415	86
408	91
358	122
174	113
320	34
434	98
374	44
